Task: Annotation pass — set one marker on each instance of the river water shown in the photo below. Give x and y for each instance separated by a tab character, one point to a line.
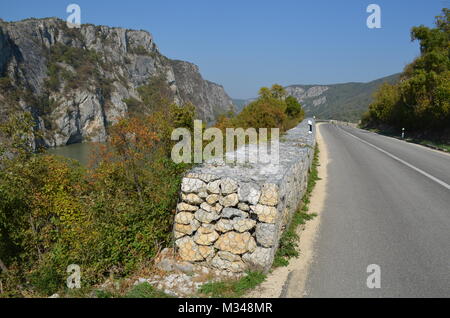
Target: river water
80	152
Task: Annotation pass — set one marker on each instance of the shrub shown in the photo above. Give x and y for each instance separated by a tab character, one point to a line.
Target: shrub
46	280
107	219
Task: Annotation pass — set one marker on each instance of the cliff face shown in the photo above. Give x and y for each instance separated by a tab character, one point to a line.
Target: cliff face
75	81
193	88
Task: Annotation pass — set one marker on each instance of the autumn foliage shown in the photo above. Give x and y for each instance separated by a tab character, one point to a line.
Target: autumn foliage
109	218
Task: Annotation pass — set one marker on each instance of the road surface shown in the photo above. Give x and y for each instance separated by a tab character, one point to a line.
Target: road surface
387	203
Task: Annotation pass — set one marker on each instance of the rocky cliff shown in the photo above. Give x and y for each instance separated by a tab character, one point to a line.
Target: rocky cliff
76	82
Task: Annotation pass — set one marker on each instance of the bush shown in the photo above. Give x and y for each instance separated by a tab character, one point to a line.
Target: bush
293	108
46	280
107	219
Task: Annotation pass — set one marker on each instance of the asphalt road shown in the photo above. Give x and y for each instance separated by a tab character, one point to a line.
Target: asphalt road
387	203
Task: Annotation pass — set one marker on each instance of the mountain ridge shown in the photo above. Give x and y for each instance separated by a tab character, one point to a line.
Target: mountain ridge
75	81
341	101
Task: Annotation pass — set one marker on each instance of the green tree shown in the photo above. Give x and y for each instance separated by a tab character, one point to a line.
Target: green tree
271	110
422	98
293	107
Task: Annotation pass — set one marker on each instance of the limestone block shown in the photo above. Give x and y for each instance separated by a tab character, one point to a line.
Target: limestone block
212	199
228	186
231	212
178	235
232	266
243	207
186	207
184	217
206	217
269	194
260	259
191	198
206	235
243	225
267	214
203	194
187	228
190	185
266	234
210	208
214	187
249	192
236	243
206	251
188	250
229	200
224	225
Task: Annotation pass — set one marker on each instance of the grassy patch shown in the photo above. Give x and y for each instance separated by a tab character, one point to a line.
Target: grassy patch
104	294
288	247
145	290
435	144
232	288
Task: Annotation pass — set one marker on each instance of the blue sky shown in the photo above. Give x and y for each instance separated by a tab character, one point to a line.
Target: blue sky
246	44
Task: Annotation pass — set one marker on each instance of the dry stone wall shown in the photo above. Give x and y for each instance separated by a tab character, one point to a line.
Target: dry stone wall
231	217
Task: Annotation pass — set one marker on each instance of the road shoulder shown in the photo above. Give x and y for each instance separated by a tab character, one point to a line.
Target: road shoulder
289	281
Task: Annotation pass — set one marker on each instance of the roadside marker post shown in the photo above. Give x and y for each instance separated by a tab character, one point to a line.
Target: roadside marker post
310	126
403	133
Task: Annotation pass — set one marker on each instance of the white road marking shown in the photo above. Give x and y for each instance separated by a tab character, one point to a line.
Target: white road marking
442	183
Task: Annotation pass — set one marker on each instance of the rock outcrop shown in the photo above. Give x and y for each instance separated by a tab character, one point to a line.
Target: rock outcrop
76	82
246	207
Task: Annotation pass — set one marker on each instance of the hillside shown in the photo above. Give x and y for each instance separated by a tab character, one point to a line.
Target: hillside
239	104
347	101
78	82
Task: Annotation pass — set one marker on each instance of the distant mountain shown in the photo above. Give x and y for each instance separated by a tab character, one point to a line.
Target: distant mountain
239	104
347	101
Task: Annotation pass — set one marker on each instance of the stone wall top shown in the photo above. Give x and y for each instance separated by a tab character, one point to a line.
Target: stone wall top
293	145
